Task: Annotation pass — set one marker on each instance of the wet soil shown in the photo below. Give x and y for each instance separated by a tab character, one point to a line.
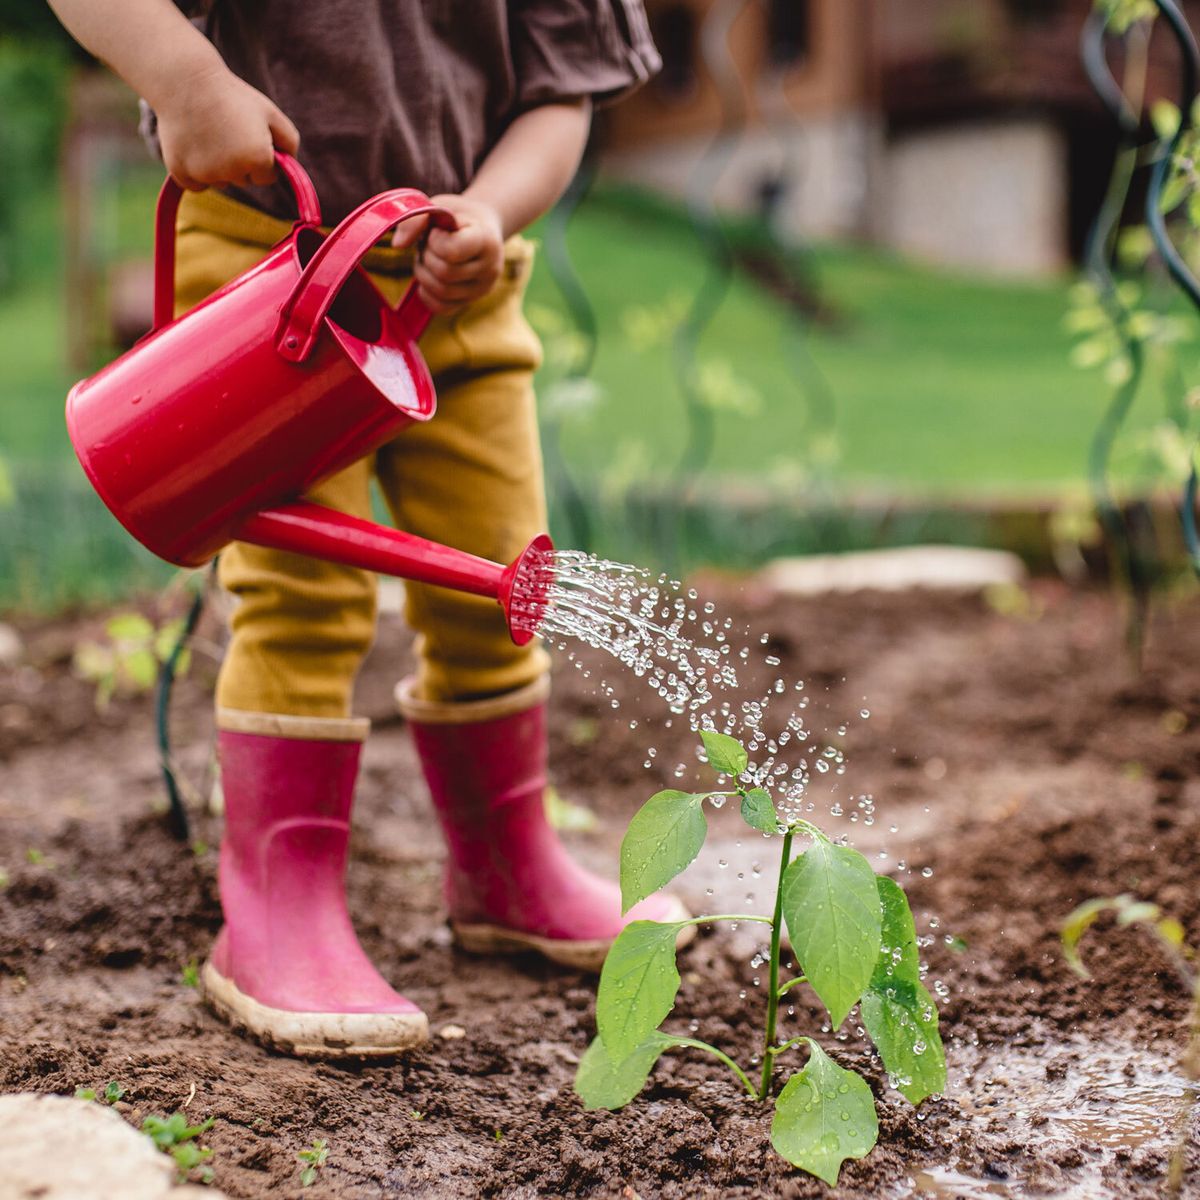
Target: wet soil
1020	757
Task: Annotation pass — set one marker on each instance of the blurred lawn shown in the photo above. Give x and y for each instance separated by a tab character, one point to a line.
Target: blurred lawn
943	385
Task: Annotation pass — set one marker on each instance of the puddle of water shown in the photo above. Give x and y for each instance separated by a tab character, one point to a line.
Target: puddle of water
951	1185
1107	1096
1062	1094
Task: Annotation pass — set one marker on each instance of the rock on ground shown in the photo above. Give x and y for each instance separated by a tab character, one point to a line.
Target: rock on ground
941	568
56	1148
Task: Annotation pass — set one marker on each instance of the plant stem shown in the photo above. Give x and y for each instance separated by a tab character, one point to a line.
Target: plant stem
696	1044
769	1049
724	917
791	983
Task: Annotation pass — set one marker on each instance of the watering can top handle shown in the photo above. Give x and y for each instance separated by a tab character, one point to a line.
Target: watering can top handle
338	255
307	205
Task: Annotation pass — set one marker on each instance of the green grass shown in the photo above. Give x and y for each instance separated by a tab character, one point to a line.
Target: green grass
943	383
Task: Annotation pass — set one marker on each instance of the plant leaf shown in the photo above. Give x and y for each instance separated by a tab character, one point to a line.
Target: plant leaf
130	627
758	812
834	919
637	986
1075	926
902	1021
665	835
141	668
725	754
898	954
601	1082
824	1115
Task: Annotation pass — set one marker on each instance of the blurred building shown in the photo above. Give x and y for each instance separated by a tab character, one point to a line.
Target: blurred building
959	131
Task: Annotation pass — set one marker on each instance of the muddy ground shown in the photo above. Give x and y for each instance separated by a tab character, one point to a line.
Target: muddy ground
1018	755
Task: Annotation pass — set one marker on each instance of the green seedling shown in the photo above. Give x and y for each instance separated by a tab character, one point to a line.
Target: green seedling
190	975
854	941
314	1159
174	1136
1169	935
111	1094
128	662
417	1115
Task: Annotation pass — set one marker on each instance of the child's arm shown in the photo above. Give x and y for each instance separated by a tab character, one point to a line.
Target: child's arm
525	173
213	127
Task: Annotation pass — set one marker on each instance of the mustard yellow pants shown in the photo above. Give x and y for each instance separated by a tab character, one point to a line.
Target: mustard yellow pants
471	478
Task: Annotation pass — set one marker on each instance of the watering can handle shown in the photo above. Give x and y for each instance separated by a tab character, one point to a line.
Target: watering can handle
338	255
307	204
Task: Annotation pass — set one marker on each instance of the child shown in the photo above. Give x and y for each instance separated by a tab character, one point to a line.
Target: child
484	104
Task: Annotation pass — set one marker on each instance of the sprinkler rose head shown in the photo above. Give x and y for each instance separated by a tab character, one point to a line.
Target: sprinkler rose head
525	588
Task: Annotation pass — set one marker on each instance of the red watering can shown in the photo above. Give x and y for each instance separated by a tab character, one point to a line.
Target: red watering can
213	425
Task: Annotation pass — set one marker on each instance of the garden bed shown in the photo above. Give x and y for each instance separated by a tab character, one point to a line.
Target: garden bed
1019	756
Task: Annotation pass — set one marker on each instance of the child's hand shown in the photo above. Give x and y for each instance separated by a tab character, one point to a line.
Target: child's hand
217	129
455	268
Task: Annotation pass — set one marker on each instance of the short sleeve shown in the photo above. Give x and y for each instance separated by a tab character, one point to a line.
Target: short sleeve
569	49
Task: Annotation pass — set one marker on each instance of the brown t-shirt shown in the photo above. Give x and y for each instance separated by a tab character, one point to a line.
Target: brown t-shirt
414	93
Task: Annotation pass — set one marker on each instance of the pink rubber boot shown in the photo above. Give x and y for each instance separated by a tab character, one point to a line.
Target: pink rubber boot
510	885
286	966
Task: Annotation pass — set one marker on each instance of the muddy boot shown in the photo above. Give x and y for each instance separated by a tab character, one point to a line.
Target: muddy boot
286	967
510	885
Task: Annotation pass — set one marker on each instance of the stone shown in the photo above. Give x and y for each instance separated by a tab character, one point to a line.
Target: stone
12	648
935	568
58	1148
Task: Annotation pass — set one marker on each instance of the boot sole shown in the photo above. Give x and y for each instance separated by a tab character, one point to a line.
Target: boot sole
581	956
313	1034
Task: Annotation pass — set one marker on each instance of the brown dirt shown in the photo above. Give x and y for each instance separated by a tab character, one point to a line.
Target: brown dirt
1021	758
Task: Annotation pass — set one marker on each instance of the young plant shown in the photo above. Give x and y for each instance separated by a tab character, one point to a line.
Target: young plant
314	1159
1169	935
853	938
111	1094
129	663
174	1136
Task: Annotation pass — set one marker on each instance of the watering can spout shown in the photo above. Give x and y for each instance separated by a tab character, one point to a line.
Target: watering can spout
521	588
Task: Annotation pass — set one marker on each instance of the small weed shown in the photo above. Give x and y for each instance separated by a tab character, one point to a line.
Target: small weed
174	1136
417	1115
111	1094
128	662
4	879
200	848
497	1135
36	858
190	975
314	1158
